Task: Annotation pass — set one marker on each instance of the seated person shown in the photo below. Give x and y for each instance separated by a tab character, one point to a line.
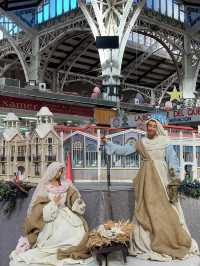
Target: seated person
55	231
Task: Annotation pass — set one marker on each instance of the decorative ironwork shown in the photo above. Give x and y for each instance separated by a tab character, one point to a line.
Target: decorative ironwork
168	31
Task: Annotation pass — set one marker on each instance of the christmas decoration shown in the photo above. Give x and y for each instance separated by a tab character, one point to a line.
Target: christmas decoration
96	93
168	106
175	95
190	189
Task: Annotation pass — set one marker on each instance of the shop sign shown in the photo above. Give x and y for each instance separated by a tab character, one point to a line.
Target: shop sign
185	115
35	105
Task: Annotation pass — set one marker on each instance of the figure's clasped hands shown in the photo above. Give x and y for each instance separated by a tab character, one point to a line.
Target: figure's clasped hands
22	245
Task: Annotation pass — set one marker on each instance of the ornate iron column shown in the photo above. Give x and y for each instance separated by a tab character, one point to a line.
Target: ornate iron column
191	66
111	18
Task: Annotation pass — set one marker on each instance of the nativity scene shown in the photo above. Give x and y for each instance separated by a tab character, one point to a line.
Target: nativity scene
56	232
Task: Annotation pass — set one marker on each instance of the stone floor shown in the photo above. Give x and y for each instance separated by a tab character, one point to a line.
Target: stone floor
131	261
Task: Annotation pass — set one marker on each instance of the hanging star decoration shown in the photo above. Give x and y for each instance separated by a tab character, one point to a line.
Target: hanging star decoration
175	95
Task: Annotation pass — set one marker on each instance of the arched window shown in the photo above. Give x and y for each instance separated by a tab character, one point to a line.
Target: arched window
129	161
83	151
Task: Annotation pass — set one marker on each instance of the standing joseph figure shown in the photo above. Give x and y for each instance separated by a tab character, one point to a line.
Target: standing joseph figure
160	232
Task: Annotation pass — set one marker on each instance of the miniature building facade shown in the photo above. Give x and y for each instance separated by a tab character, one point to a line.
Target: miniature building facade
13	148
45	143
29	155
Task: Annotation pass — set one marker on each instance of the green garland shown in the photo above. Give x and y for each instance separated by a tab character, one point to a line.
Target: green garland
9	193
190	189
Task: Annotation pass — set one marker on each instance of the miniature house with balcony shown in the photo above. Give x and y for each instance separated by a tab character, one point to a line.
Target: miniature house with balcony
45	143
13	148
29	155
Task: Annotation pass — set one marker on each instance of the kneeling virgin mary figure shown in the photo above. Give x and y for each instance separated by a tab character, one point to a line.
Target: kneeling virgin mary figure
160	231
55	231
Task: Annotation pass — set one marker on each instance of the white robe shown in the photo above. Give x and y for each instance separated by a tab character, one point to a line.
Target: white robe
62	229
141	245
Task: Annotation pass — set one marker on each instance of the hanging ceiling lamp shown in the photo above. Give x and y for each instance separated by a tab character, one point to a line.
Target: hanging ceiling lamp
14	5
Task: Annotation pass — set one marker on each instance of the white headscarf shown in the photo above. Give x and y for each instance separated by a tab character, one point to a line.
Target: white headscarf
40	190
160	129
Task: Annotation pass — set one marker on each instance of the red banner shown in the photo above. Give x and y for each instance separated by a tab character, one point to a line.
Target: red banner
35	105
